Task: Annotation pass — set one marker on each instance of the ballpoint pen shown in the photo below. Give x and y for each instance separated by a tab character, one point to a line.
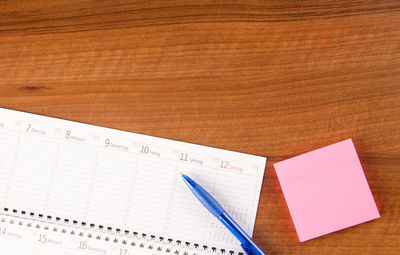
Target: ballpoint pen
248	245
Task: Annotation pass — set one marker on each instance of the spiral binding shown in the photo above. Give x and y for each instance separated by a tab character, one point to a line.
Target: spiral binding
141	239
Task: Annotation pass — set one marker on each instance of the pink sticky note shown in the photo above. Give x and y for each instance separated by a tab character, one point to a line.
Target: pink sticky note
326	190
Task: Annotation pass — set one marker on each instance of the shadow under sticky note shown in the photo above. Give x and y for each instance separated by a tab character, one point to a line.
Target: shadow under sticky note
326	190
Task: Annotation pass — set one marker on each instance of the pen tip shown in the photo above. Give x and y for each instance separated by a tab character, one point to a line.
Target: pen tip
180	172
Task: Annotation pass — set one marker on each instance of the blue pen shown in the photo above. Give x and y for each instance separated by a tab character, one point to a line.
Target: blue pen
248	245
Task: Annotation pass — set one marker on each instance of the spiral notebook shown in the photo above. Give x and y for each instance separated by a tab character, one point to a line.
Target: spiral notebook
73	188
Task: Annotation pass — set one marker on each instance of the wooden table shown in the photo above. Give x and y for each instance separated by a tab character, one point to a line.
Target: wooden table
271	78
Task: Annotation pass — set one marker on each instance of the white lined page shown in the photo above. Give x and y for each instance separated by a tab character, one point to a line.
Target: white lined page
123	180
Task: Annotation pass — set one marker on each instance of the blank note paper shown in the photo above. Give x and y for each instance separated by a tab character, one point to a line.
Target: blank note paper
326	190
120	186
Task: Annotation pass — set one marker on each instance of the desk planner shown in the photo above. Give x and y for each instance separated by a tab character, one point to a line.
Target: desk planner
73	188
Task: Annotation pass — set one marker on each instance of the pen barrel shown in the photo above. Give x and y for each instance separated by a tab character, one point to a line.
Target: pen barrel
208	201
248	244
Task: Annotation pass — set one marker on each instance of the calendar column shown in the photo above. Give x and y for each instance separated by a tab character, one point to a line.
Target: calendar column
73	174
9	135
112	183
34	162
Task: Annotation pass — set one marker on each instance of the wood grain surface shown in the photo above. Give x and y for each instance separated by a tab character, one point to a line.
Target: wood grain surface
271	78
